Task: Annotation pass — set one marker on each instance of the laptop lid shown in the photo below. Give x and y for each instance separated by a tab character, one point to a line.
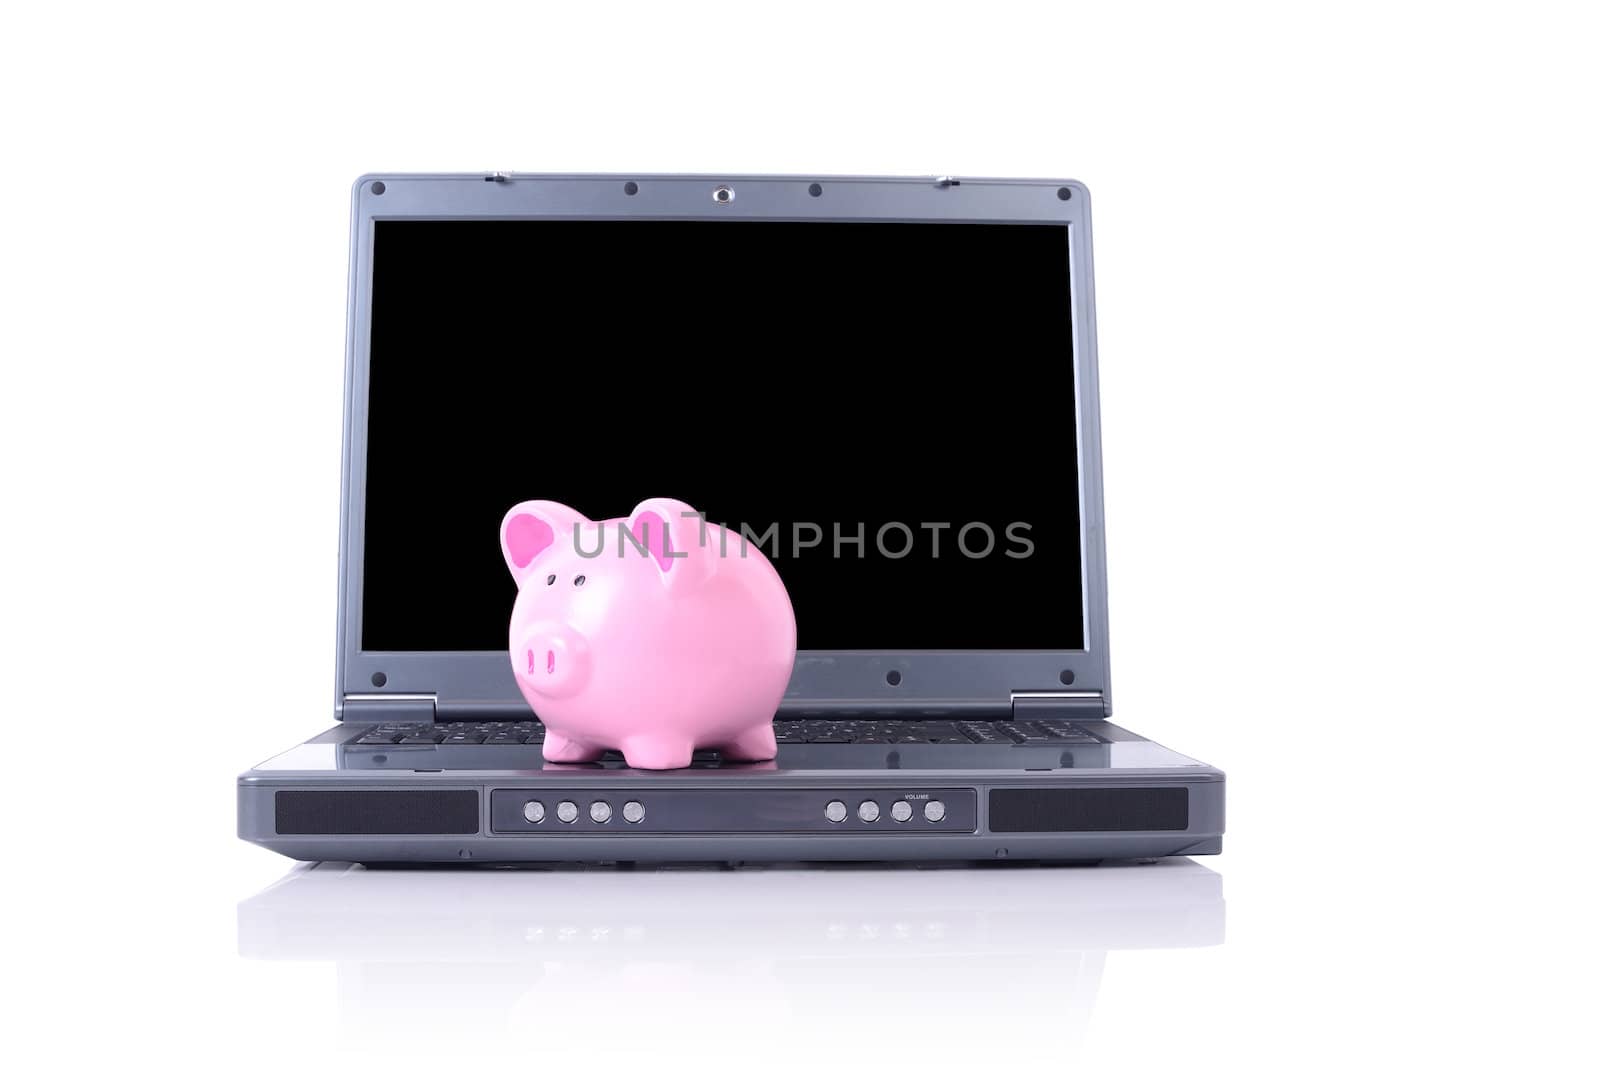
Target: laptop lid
887	384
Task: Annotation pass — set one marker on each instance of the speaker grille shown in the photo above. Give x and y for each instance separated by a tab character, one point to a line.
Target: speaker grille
301	812
1088	810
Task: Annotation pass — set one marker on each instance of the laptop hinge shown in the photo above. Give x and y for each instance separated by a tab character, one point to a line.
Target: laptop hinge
883	707
483	710
1058	705
382	708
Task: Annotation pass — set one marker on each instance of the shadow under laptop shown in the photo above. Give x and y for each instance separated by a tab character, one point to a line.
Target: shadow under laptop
634	956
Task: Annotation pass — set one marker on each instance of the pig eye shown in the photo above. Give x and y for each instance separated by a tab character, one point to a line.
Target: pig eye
551	579
577	582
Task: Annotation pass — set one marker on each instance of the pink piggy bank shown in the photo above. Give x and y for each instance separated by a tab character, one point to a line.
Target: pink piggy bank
654	635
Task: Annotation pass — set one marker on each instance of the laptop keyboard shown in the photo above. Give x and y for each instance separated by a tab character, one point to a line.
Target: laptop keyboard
788	731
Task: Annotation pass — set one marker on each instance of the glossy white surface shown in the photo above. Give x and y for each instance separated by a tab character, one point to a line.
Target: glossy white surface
1346	278
808	956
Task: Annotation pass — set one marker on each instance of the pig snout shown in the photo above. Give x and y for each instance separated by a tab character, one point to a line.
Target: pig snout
553	660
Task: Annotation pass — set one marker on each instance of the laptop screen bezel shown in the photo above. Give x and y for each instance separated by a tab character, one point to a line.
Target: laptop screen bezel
465	681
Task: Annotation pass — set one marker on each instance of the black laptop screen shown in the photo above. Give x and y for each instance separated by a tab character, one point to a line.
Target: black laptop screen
887	407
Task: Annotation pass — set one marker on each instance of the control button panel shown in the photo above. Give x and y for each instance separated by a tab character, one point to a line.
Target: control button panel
837	811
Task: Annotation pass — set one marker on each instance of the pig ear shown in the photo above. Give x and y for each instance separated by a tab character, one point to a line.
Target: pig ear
531	529
675	537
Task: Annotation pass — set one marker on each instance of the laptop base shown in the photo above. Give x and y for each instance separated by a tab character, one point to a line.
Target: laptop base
1118	796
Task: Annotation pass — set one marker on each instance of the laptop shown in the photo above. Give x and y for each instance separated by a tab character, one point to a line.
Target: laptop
887	385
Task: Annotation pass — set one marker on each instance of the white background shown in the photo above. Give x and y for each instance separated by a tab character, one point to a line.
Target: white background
1347	276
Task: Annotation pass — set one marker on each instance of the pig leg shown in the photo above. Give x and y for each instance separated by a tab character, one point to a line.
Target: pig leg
753	745
558	748
658	752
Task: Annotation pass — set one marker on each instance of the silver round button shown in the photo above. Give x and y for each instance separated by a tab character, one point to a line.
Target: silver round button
901	811
933	811
868	811
533	811
567	811
600	811
835	811
633	811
